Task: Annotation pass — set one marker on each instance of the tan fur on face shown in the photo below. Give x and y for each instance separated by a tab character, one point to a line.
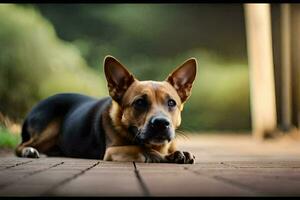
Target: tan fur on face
158	94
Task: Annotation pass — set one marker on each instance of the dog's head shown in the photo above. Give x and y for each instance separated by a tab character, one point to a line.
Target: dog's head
148	111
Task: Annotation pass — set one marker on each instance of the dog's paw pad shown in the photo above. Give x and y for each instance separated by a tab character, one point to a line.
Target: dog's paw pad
29	152
181	157
189	158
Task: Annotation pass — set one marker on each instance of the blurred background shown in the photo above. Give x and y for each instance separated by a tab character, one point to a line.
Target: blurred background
47	49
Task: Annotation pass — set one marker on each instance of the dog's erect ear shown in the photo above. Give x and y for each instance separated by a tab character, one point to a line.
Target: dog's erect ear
118	78
183	77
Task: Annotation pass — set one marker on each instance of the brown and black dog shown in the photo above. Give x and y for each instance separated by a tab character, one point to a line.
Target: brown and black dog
136	123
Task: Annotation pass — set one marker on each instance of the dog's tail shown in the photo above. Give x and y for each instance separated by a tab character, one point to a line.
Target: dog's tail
25	134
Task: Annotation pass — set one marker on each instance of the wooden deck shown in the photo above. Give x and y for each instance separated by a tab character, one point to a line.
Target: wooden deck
227	165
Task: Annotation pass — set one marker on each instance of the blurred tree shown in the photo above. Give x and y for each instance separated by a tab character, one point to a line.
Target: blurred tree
155	31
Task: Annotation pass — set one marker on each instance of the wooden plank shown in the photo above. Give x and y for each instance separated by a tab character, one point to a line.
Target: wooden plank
23	190
41	176
288	164
263	181
108	179
186	183
14	175
7	163
37	184
260	58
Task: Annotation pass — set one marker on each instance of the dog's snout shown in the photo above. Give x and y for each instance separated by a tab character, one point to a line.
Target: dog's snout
159	123
158	130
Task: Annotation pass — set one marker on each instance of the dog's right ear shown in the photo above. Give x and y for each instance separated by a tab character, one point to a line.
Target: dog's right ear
118	78
183	77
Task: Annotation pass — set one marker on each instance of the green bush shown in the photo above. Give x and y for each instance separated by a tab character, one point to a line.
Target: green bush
35	63
8	139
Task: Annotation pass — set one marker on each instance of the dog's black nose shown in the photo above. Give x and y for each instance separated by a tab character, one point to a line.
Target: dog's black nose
159	123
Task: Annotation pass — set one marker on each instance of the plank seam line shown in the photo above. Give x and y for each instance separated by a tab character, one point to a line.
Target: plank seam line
30	174
231	182
17	164
59	184
141	181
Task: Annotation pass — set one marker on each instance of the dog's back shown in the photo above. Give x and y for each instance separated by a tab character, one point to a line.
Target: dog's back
77	116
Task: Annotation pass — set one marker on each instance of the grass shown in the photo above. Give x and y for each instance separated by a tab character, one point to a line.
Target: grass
7	139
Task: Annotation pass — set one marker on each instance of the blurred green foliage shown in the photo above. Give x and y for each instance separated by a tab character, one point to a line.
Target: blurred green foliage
149	31
150	39
34	63
220	96
8	139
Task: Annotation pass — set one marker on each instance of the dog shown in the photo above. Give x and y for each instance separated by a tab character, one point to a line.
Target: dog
137	122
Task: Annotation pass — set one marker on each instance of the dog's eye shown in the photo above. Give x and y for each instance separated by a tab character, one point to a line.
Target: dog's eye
171	103
140	103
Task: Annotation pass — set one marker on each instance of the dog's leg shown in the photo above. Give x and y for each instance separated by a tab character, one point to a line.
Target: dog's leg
39	142
25	150
124	153
138	154
133	153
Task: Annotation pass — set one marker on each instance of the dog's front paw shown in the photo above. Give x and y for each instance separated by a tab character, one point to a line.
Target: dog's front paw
181	157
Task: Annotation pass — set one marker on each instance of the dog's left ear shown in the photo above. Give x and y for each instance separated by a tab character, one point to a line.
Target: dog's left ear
118	78
183	77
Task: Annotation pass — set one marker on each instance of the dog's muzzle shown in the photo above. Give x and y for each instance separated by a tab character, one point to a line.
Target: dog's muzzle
159	124
157	131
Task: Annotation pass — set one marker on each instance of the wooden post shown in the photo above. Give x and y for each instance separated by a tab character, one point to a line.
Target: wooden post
260	58
286	67
295	46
